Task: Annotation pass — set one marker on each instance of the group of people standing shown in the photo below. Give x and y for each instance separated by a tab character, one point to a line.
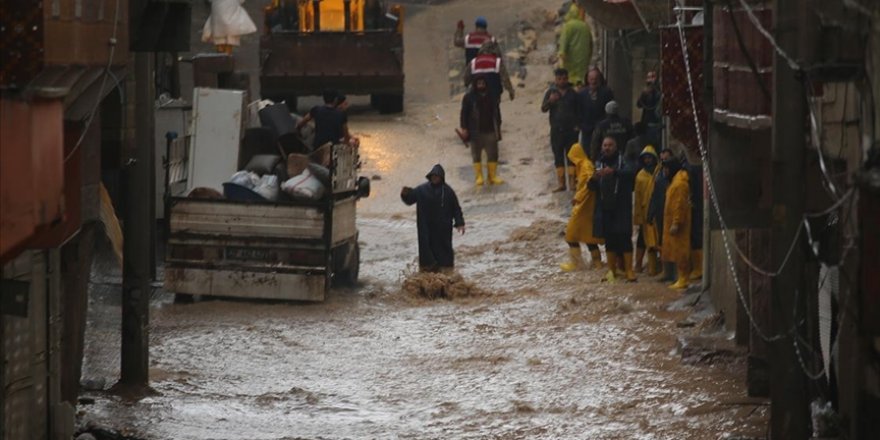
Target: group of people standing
614	195
620	183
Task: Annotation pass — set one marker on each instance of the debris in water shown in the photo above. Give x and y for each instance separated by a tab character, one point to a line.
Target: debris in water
440	285
538	230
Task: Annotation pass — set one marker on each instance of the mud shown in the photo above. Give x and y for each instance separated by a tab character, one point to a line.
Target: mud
433	286
521	350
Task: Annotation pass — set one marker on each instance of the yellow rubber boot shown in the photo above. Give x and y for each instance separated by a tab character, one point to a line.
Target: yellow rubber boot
619	270
682	282
576	261
596	255
612	263
478	171
493	174
560	179
653	265
572	179
697	263
628	264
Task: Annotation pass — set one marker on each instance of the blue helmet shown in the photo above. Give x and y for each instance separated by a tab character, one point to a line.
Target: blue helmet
481	22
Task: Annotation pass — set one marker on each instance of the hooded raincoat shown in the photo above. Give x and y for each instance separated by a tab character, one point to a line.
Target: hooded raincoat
677	247
437	212
644	191
613	213
580	225
575	45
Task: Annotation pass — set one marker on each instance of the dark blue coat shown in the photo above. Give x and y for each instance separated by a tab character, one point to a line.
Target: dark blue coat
613	212
658	202
437	212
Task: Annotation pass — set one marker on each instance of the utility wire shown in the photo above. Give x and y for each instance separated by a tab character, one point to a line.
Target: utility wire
742	48
99	97
791	63
711	186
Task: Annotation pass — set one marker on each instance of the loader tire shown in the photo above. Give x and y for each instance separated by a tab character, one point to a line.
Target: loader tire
389	103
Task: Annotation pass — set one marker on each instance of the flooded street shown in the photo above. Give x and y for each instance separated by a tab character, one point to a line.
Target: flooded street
533	353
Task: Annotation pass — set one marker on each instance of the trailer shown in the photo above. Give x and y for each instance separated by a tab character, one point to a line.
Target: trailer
288	250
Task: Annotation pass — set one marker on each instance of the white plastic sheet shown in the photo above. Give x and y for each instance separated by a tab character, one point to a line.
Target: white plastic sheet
227	23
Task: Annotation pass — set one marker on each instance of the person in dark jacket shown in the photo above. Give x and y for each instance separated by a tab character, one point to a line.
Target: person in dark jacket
591	106
613	125
561	101
614	180
437	212
649	102
480	126
636	145
656	207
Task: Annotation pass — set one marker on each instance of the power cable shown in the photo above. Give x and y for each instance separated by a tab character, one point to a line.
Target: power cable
99	97
791	63
742	48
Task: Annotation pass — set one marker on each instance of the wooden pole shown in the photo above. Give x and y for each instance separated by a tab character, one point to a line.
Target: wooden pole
139	221
789	407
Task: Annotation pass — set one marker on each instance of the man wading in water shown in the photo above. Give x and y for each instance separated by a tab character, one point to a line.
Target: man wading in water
437	212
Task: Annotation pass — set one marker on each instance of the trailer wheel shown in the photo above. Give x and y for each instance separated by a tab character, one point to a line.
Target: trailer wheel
348	276
388	103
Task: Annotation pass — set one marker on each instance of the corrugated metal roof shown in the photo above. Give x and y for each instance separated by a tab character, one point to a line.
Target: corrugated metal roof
629	14
80	86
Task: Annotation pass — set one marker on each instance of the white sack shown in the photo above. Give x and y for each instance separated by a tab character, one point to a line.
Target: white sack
227	23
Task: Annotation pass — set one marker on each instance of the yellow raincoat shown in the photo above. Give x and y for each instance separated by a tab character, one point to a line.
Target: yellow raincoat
580	225
677	247
643	191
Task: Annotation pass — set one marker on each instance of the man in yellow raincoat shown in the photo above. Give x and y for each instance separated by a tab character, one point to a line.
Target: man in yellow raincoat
677	222
575	45
580	225
648	241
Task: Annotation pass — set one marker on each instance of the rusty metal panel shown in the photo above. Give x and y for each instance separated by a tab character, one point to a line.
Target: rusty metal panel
741	103
31	170
21	41
245	284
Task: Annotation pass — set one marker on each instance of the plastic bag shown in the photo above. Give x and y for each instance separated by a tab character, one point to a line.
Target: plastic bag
246	179
304	186
268	187
227	23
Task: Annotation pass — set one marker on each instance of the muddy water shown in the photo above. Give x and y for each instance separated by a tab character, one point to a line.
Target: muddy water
539	354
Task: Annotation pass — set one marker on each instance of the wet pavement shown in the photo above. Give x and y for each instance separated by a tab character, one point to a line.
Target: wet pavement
539	354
